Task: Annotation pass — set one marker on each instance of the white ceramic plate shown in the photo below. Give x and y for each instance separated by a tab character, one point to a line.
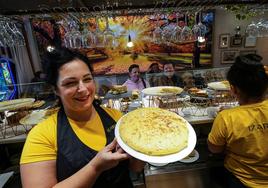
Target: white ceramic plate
191	159
158	91
159	164
218	86
15	104
159	159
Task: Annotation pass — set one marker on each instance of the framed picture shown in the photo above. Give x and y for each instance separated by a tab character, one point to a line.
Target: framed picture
228	56
250	41
236	41
224	40
245	52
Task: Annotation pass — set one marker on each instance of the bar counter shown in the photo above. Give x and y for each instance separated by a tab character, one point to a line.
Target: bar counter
200	173
195	174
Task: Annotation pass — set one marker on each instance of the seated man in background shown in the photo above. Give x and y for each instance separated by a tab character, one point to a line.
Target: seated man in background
135	81
169	78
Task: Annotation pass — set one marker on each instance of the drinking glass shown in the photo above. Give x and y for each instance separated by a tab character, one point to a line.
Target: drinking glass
186	33
199	30
176	36
167	32
196	29
262	29
72	38
2	42
99	37
5	35
108	35
18	36
265	23
157	33
252	29
87	37
76	38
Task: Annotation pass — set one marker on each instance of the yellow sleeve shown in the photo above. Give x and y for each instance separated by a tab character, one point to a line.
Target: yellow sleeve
115	114
218	133
41	142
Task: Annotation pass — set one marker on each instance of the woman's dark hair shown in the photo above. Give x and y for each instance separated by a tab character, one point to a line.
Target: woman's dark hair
248	74
52	62
132	67
150	67
153	64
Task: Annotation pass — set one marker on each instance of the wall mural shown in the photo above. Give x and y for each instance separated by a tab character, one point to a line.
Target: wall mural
155	38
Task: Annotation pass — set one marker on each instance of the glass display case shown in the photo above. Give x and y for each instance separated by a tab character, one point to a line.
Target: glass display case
34	101
201	89
186	103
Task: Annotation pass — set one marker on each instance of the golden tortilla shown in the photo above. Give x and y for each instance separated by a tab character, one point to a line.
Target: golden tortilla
154	131
174	90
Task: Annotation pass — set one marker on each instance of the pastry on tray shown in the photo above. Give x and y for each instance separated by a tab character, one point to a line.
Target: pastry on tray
117	89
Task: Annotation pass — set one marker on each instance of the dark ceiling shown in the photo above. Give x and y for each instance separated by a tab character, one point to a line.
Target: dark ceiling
10	7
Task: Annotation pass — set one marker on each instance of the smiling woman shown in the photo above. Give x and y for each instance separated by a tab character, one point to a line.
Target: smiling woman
76	89
75	146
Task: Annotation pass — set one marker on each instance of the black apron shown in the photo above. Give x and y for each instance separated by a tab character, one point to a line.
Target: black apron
73	154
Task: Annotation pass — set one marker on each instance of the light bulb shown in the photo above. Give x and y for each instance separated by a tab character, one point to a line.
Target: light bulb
201	39
50	48
130	44
201	42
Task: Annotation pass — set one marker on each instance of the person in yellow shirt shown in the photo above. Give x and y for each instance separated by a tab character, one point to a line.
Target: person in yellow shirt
241	132
75	147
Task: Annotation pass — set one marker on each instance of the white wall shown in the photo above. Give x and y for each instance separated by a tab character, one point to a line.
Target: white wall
225	22
262	49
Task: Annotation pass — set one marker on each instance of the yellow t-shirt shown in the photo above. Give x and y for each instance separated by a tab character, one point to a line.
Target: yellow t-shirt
41	143
244	132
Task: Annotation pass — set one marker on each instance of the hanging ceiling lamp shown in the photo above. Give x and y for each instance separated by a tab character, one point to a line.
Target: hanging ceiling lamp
130	43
